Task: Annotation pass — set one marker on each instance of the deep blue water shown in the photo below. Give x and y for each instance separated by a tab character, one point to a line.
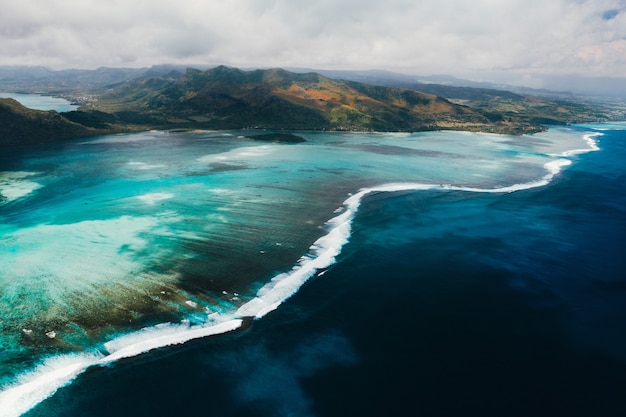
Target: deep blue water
441	304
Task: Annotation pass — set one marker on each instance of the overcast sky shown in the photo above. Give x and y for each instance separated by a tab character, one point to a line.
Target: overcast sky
520	38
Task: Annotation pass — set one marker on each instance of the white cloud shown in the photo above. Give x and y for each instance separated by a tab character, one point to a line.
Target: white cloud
585	37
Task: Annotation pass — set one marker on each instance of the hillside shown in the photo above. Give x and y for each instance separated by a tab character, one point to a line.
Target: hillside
20	125
165	97
227	98
515	103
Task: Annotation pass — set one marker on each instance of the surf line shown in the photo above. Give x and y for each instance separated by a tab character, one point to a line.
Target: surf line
57	372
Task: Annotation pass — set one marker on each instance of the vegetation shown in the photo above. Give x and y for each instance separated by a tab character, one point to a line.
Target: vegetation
227	98
277	100
19	125
519	106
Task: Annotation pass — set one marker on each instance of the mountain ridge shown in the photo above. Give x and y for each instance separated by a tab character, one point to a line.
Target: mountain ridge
224	97
173	97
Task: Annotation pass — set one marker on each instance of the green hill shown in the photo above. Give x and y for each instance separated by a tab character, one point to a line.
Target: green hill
519	104
20	125
229	98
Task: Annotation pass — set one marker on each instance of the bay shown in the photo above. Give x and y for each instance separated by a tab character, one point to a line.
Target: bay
41	102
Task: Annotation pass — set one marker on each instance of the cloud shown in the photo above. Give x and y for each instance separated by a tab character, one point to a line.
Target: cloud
581	37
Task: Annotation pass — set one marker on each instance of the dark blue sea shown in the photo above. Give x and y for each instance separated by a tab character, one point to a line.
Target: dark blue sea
443	302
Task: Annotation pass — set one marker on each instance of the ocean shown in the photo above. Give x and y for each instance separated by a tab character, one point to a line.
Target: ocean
434	273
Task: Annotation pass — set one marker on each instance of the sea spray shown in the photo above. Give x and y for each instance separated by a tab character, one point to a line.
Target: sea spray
39	384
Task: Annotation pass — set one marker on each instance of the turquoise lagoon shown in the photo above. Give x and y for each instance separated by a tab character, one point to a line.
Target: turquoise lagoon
41	102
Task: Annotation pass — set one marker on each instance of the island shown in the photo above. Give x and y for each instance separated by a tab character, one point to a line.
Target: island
278	137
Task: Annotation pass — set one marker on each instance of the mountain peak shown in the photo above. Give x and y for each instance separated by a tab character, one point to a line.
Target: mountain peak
226	97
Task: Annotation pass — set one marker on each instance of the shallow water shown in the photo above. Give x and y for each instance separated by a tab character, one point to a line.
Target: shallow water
39	102
112	235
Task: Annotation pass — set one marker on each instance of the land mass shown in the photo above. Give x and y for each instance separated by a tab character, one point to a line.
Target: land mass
278	137
276	99
229	98
20	125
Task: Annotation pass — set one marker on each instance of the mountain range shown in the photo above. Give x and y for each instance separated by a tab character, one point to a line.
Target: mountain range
166	97
228	98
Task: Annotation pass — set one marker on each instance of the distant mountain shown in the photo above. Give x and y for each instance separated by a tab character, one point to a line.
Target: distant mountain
432	83
224	97
12	74
534	106
101	76
19	125
72	82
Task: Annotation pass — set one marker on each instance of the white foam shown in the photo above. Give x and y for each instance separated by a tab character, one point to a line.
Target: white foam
321	255
152	198
606	126
145	166
34	387
243	153
163	335
15	185
126	138
591	142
